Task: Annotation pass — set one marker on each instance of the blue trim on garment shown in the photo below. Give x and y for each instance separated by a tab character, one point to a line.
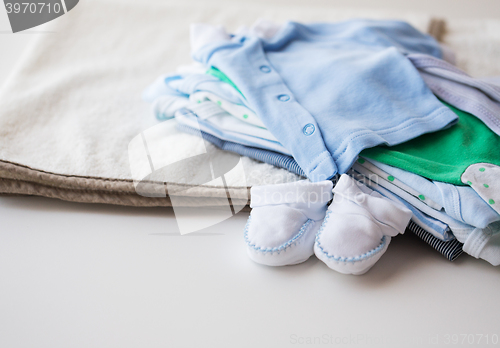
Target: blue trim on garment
266	156
283	246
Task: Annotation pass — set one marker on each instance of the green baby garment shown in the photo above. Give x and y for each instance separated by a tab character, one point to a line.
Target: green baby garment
467	153
443	155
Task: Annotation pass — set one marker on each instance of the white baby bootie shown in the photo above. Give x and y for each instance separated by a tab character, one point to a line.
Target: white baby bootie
284	220
358	227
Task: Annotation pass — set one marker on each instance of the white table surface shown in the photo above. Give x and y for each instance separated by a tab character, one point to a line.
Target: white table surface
82	275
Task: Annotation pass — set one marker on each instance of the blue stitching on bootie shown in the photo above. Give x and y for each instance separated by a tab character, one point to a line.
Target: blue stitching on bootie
361	257
283	246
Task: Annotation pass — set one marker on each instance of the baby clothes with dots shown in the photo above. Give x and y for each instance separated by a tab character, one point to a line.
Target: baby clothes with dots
458	155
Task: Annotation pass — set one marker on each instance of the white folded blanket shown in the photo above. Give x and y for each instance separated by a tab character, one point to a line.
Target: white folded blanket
73	104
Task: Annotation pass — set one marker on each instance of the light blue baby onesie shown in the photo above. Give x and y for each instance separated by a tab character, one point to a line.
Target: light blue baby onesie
327	91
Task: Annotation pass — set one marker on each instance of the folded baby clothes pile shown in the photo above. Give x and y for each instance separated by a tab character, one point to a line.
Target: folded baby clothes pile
390	135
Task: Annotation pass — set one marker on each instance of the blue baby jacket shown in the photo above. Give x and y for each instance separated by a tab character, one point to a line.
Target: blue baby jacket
329	90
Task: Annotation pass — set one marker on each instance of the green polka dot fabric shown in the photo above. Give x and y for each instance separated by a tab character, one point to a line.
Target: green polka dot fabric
484	178
377	175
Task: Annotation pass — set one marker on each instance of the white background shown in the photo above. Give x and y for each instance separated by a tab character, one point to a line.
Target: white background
81	275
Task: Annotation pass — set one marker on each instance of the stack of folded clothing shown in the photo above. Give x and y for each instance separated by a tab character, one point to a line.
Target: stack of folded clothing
389	133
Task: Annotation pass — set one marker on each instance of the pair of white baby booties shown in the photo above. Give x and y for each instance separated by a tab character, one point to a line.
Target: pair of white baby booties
291	222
